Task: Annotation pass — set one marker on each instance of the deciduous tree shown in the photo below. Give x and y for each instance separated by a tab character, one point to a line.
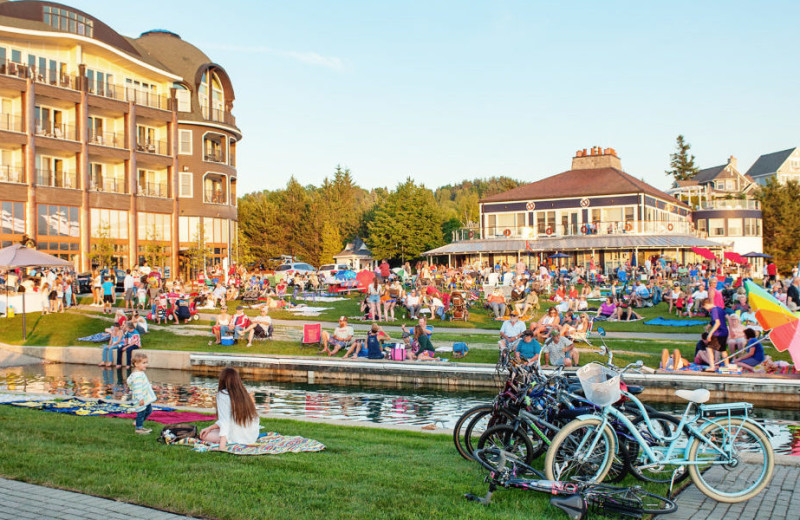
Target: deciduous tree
781	222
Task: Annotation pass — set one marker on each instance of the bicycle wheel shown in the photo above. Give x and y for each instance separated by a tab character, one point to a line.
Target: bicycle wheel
630	501
620	464
463	421
665	425
749	458
509	439
479	424
581	451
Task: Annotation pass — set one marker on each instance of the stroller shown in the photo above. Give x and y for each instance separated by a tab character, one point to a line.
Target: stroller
458	307
251	293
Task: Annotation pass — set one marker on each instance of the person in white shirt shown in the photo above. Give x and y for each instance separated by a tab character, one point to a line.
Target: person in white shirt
697	297
130	292
511	332
342	337
237	418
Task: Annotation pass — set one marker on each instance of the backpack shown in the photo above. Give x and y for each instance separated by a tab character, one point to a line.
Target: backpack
176	432
460	349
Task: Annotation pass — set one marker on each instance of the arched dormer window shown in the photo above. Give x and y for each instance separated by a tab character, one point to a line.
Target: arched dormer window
211	96
184	97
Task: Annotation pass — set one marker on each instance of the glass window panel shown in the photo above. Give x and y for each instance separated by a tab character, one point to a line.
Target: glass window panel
74	222
735	227
43	224
716	227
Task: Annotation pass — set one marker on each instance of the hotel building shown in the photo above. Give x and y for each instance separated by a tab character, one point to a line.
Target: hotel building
110	139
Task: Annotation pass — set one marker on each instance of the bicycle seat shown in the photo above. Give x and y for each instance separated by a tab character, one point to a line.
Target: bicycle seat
573	505
701	395
635	389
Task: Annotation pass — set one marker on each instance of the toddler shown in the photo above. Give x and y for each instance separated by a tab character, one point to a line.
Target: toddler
142	393
141	296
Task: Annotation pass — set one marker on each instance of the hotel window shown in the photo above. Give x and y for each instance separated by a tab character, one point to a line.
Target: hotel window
188	229
702	225
716	227
58	221
153	183
630	212
184	97
110	221
185	142
545	220
211	96
185	185
214	189
13	218
752	227
214	148
734	227
155	226
215	230
64	20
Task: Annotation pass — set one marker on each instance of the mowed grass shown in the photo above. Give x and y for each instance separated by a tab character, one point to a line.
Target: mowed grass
363	473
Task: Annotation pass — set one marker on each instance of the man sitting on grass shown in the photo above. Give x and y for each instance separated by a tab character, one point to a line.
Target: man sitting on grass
559	351
260	327
342	337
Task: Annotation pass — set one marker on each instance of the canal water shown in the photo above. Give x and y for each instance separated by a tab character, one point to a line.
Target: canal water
402	405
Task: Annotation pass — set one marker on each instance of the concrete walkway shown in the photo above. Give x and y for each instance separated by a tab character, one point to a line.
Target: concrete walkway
22	501
779	501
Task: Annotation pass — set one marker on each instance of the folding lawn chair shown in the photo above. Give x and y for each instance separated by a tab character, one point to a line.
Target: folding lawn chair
312	334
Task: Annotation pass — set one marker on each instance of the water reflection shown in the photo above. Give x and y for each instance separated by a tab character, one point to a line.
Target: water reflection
370	403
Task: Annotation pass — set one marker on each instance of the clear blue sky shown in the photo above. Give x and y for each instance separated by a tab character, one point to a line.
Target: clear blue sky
443	91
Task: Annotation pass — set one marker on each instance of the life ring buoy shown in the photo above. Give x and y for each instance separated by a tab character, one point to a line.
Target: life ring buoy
548	231
507	232
584	229
670	226
628	226
471	234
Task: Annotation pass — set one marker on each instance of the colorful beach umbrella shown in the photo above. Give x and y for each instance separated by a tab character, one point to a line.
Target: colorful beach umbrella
772	314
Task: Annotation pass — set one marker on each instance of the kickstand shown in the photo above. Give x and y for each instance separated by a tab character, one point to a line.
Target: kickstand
672	481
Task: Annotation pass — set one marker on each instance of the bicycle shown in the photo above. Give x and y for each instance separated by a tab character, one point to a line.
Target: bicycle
716	452
576	499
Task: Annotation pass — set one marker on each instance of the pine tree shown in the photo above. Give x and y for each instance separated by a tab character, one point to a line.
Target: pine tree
781	222
681	162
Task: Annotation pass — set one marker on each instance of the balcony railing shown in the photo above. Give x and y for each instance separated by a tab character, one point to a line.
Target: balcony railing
146	98
214	197
730	204
109	185
153	189
11	174
111	139
57	131
219	115
45	76
57	179
10	122
216	157
155	146
633	227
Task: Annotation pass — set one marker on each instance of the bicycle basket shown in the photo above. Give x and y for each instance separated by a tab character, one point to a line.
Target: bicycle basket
600	384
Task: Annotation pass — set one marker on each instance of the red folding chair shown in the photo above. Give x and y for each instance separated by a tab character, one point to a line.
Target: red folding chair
312	334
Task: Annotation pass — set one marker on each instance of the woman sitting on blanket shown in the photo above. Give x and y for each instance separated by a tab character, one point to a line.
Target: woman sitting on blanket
237	419
425	352
551	320
607	309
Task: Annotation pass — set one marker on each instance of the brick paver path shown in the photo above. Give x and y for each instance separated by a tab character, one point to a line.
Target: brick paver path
22	501
779	501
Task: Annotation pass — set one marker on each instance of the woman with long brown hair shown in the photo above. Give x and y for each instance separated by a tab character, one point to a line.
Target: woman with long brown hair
237	419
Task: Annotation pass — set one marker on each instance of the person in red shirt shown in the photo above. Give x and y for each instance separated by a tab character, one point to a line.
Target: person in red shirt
385	270
772	271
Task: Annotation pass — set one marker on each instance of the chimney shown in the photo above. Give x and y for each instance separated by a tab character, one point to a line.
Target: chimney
733	163
598	157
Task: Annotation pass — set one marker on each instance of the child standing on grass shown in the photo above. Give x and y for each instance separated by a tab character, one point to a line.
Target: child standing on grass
141	295
141	392
108	294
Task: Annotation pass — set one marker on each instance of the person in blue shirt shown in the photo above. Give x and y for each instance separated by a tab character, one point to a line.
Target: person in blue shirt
528	349
754	355
622	276
108	294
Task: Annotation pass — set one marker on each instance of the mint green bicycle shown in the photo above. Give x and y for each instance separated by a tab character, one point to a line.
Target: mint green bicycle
728	455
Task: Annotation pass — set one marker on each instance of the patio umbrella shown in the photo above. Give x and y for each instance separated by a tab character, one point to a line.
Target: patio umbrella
559	255
756	255
16	256
364	278
772	314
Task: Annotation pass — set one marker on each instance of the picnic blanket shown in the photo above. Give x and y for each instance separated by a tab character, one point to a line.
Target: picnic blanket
674	323
165	417
527	317
100	337
76	406
270	443
8	398
322	298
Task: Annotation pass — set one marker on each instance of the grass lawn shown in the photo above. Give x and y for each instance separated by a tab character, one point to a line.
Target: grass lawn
363	473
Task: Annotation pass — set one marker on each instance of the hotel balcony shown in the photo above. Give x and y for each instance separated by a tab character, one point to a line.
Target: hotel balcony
112	139
111	185
57	179
215	157
10	123
633	227
44	76
154	189
12	174
56	131
156	146
219	116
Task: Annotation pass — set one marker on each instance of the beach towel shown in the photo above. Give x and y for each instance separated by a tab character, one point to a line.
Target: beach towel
100	337
664	322
77	406
164	417
270	443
